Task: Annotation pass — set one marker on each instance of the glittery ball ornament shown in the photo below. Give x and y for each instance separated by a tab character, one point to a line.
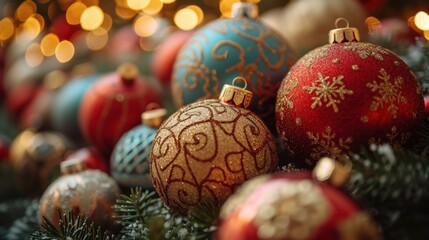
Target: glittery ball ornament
90	193
231	47
113	105
206	149
290	207
129	161
345	95
35	157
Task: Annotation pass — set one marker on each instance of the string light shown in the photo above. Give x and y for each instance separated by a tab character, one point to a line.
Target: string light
7	29
154	7
137	4
64	51
74	13
92	18
198	11
124	13
33	55
25	10
49	44
422	20
30	28
186	19
145	26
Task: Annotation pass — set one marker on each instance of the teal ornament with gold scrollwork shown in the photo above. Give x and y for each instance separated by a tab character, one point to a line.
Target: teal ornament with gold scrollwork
227	48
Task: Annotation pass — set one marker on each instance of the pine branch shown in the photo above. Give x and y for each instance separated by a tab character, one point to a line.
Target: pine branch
203	219
71	227
394	185
23	228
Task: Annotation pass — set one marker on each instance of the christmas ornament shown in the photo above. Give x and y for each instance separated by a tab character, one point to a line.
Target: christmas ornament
4	149
346	95
130	158
64	114
37	114
165	55
90	193
113	106
35	157
226	48
293	206
304	23
20	97
206	149
373	5
92	159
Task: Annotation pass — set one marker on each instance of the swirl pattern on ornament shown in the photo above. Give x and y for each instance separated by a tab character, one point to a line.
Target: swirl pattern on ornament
228	48
205	150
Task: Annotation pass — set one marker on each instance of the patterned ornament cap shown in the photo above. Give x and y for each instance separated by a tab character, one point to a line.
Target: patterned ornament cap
154	118
236	96
128	72
245	9
346	34
73	165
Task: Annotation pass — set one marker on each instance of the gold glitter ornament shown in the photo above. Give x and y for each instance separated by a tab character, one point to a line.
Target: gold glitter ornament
207	149
90	193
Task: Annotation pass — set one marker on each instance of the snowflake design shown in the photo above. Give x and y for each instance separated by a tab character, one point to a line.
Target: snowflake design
389	93
324	145
328	92
365	50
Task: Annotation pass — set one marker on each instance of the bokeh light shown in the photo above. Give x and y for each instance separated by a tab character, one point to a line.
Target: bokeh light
7	29
30	28
92	18
145	26
186	19
124	13
74	12
33	55
25	10
97	40
198	11
422	20
168	1
137	4
49	44
225	6
154	7
64	51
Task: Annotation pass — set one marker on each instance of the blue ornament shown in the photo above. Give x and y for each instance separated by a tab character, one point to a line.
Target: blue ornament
228	48
64	115
129	163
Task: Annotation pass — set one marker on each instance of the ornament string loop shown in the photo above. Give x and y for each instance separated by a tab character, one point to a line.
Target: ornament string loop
342	20
343	34
240	79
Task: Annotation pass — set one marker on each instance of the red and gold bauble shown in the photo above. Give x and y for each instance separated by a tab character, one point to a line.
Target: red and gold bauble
36	157
90	193
165	55
346	95
292	206
92	159
207	149
426	101
113	105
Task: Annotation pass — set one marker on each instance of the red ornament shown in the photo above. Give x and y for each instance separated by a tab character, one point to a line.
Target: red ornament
373	5
20	97
113	105
4	149
63	29
92	158
165	55
343	96
292	206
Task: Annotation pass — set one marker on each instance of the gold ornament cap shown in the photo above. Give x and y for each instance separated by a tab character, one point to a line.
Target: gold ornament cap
237	96
73	165
128	72
345	34
154	118
329	170
245	9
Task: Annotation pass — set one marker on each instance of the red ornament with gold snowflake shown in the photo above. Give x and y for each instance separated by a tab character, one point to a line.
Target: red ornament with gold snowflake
345	95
